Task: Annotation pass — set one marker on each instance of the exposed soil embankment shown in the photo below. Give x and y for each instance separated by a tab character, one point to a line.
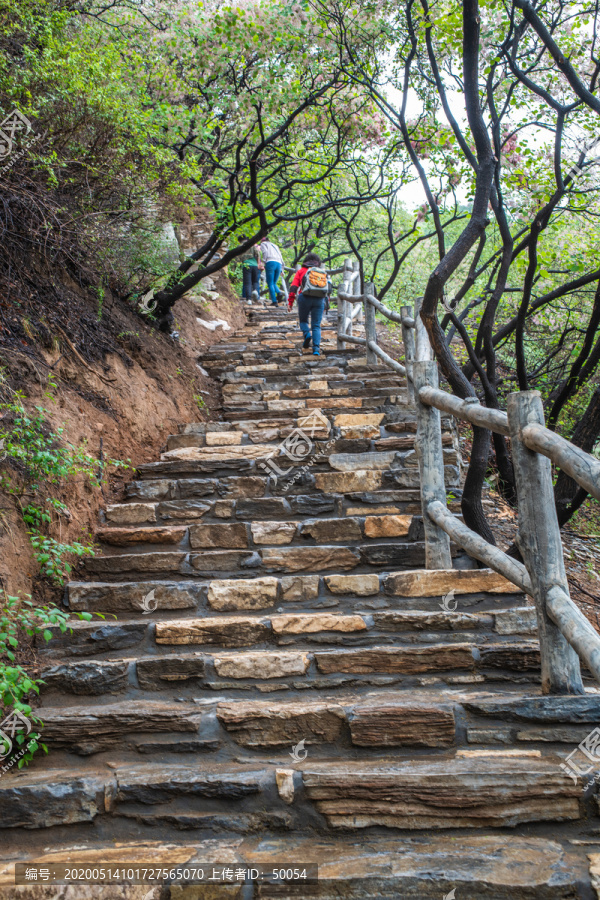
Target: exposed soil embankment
121	402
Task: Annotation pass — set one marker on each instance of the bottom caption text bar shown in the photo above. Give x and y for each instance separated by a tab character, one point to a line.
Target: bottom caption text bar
146	873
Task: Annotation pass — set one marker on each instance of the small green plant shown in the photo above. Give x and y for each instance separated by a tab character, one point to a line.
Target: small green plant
126	334
52	555
101	294
19	619
41	461
200	401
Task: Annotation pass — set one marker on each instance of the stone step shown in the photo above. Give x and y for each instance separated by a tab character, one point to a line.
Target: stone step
303	660
300	478
277	409
263	561
426	867
71	796
419	718
274	400
498	637
493	791
421	795
210	535
219	598
400	592
229	497
90	729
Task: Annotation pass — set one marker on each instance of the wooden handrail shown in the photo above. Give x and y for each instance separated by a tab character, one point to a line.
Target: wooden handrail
392	363
479	548
575	462
354	339
565	614
565	633
471	410
388	313
575	627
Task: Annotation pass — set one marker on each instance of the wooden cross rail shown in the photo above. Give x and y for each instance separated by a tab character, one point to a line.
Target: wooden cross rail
565	634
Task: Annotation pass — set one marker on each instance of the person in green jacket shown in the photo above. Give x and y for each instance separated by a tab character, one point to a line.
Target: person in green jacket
250	274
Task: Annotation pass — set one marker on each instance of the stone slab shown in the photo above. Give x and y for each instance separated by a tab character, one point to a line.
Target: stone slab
224	631
295	588
134	596
158	672
312	623
361	585
348	482
327	530
93	677
381	724
130	513
264	664
277	533
433	794
259	724
226	537
298	559
433	583
36	800
401	660
231	594
387	526
158	534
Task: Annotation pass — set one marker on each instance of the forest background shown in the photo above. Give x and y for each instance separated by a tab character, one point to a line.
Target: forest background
450	147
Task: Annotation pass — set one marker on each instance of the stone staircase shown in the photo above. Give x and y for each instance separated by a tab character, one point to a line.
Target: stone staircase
277	678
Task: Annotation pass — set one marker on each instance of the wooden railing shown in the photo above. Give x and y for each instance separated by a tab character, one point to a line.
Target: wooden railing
565	634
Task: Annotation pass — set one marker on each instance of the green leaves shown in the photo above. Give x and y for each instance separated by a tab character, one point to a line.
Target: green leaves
20	618
44	461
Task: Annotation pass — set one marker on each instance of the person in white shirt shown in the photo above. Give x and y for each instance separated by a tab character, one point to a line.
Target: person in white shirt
273	262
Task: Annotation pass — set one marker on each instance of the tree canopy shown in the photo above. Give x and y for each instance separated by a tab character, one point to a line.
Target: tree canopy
452	148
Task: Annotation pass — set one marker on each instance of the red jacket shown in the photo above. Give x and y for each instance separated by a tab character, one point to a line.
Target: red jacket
296	282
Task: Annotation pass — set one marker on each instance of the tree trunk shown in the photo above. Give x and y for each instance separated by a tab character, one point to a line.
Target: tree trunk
472	508
568	496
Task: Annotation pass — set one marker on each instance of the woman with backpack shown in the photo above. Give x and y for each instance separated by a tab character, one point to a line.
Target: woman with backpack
313	286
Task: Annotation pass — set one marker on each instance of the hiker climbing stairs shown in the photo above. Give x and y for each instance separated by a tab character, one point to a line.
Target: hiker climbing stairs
275	669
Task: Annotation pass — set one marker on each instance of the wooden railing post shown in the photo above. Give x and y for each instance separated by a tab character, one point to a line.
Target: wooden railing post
408	338
540	544
370	325
345	288
431	466
422	346
357	293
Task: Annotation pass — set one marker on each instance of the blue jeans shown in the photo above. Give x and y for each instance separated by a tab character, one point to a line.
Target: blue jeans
272	273
313	307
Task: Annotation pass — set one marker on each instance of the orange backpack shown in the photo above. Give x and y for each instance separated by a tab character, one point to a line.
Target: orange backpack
315	283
